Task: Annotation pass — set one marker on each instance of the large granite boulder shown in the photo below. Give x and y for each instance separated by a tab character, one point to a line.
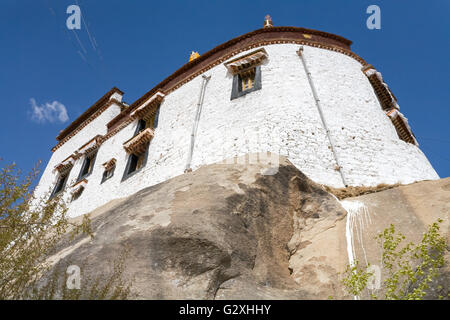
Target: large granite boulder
233	231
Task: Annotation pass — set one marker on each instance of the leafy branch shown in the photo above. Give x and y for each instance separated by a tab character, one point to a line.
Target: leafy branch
410	268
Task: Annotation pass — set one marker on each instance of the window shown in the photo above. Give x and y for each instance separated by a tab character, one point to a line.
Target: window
151	122
109	166
108	173
77	193
246	82
60	183
137	147
142	124
135	163
88	165
246	71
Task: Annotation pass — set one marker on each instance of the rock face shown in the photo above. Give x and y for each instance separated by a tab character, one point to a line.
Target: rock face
228	232
411	208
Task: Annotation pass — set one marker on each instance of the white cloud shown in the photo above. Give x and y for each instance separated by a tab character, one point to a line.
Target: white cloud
48	112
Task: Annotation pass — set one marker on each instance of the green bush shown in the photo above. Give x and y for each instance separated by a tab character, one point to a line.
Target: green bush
30	229
410	268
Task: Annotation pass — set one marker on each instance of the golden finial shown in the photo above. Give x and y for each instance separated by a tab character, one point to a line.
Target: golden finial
268	22
194	55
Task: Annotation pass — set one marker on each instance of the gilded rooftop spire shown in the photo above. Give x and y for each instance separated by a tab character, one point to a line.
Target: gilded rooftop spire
268	22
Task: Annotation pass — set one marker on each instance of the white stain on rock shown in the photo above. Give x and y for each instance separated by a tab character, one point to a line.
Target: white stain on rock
358	218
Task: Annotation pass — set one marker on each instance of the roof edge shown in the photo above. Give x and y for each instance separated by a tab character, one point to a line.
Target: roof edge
91	110
337	41
346	45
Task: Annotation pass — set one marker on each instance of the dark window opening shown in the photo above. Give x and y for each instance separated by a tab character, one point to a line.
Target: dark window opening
141	126
151	122
135	163
60	184
148	122
108	174
77	193
246	82
88	166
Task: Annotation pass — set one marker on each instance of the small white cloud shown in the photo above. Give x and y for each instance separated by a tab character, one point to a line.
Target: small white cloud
48	112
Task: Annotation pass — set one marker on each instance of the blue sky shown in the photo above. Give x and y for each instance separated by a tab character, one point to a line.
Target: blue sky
135	44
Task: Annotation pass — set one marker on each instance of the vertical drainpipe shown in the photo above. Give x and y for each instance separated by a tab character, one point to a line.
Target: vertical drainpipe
196	121
319	108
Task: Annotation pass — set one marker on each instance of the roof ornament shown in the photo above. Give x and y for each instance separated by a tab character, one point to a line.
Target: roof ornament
268	22
194	55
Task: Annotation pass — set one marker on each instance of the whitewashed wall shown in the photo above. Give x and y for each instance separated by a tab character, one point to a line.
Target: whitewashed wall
95	127
281	117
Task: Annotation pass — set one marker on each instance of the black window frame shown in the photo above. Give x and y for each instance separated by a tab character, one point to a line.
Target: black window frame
236	90
126	173
92	156
139	127
104	178
64	174
77	194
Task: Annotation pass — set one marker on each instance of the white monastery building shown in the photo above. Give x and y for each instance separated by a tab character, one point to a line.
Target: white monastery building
290	91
